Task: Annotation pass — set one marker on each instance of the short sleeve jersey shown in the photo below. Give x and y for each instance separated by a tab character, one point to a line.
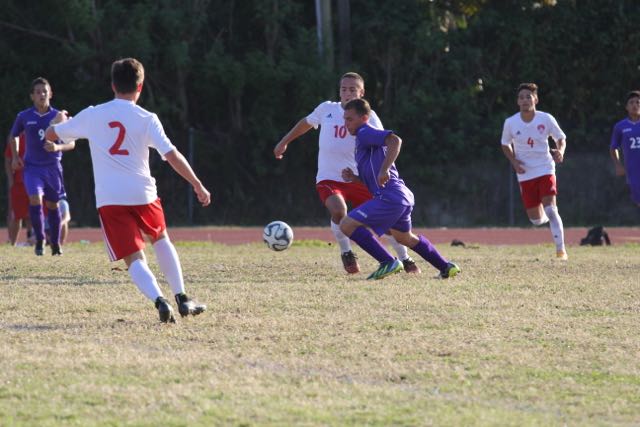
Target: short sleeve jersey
34	124
120	134
336	146
17	175
626	136
370	154
531	143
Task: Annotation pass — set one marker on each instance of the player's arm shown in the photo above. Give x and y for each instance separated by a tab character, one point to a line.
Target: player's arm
50	134
617	163
511	156
8	170
558	152
393	143
53	147
182	167
350	176
298	130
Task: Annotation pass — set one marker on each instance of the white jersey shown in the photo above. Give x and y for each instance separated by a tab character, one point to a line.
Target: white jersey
531	143
337	145
120	134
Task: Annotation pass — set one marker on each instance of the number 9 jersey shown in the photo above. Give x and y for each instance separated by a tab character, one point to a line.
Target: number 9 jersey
531	143
337	147
120	134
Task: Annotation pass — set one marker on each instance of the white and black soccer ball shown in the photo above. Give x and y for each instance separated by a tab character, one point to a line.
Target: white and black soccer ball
278	235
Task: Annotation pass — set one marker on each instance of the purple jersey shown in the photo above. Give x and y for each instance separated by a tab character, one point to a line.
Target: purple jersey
34	125
626	135
370	154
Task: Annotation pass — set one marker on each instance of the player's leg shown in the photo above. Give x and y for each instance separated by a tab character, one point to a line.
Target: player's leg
65	218
34	184
20	208
556	226
151	221
53	188
532	201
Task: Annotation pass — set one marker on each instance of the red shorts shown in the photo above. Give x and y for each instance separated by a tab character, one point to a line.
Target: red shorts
19	201
355	193
533	190
122	227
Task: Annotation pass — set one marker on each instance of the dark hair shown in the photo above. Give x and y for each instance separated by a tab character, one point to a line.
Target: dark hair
528	86
39	81
360	106
127	74
632	94
352	75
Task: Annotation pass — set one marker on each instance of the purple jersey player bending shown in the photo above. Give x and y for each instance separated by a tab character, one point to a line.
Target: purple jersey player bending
626	136
42	167
392	203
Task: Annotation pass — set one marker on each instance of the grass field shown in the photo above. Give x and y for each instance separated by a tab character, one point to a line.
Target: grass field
517	339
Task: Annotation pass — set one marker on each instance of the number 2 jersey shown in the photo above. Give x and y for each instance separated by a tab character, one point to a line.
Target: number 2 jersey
337	146
120	134
531	143
626	136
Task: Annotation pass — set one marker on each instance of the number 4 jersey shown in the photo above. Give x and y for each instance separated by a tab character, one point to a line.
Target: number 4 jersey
120	134
531	143
626	136
337	146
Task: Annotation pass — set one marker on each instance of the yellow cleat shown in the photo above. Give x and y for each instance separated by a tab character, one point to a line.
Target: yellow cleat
562	255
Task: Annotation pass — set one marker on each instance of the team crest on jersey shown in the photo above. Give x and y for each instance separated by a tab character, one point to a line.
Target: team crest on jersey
626	130
541	128
518	133
32	123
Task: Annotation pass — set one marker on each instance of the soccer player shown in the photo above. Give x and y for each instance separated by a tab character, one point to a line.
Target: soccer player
18	199
626	136
120	134
525	142
42	167
392	203
336	148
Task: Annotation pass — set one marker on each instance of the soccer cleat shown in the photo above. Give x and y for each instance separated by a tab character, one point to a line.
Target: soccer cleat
39	248
410	266
56	250
350	262
187	306
450	271
386	269
164	310
562	255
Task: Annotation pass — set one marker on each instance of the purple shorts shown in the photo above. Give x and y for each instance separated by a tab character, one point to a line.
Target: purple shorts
381	216
44	180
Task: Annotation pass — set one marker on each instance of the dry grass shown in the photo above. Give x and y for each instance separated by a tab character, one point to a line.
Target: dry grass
518	339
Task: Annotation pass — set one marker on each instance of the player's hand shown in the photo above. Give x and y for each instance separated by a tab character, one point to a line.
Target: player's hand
558	156
51	147
16	163
61	117
517	166
204	197
279	150
620	170
383	177
348	175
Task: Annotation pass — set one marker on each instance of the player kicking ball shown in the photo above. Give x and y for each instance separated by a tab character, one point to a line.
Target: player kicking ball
392	203
626	137
120	134
525	142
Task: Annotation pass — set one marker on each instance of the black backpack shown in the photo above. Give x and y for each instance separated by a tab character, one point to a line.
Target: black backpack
597	236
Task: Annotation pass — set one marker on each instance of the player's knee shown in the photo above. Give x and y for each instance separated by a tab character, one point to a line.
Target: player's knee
537	221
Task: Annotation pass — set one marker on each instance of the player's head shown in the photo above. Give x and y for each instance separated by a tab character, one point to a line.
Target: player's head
41	92
632	105
356	113
351	87
127	76
527	96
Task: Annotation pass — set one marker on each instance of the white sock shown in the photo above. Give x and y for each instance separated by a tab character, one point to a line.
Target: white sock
555	223
401	250
342	239
169	264
542	220
144	279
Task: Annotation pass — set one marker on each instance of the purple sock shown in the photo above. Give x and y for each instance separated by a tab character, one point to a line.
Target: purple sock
426	250
54	226
37	221
371	245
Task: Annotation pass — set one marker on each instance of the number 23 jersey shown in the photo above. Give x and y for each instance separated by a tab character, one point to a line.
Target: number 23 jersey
120	134
531	143
626	136
337	147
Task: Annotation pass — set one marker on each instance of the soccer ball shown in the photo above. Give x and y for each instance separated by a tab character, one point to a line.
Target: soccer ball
277	235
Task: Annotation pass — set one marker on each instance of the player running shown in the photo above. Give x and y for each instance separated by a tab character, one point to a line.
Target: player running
120	134
42	167
392	202
336	152
626	136
525	142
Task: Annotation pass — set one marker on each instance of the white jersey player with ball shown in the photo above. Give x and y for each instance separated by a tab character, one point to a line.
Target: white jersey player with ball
120	134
